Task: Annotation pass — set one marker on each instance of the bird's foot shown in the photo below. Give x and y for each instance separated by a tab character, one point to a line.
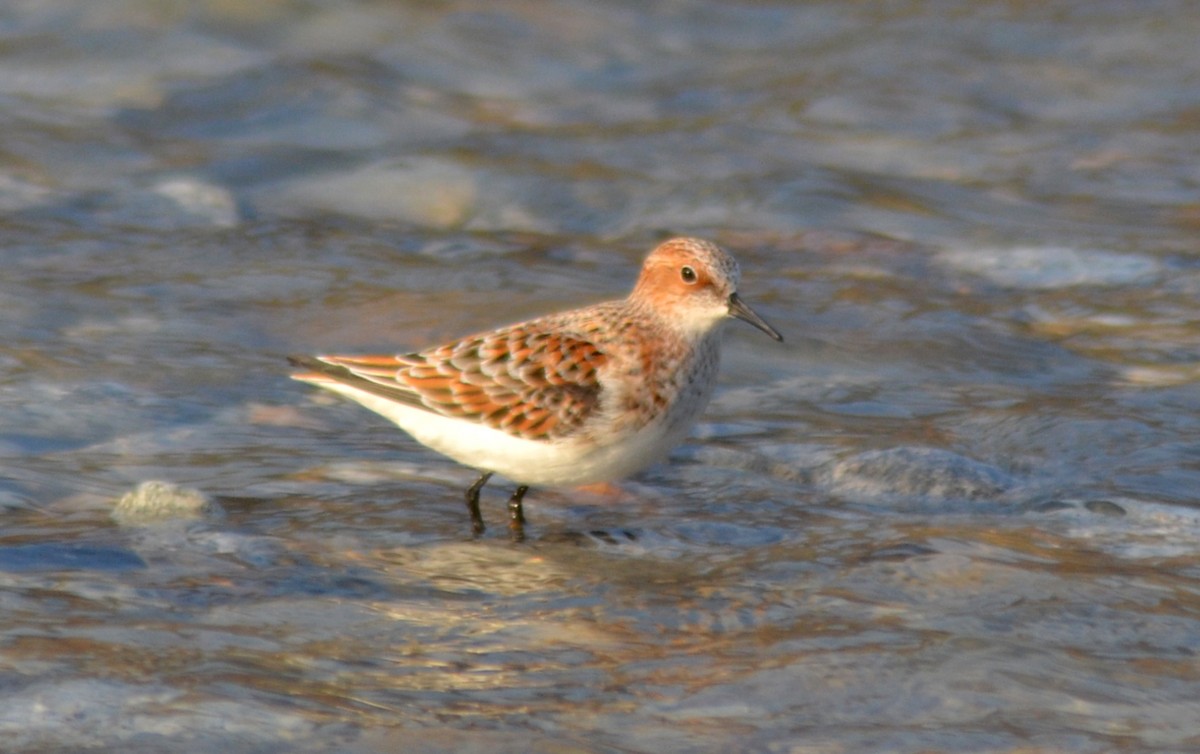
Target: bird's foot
516	514
477	525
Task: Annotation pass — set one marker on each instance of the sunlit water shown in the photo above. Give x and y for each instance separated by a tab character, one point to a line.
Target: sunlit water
954	512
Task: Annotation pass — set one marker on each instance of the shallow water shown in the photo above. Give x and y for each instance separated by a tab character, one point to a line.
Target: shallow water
956	511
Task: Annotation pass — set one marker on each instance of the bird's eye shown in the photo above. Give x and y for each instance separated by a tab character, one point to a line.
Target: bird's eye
688	275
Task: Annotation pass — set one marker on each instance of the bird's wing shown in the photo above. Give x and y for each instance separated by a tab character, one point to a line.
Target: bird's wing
534	383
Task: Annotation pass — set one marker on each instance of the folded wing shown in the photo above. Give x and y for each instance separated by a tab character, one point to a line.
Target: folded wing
531	383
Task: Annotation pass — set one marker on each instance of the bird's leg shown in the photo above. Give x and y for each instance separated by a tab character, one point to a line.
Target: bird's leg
477	526
516	514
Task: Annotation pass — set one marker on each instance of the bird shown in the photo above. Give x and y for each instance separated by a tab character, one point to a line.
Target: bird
571	399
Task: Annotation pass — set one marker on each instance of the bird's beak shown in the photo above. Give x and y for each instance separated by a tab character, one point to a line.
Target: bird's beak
738	308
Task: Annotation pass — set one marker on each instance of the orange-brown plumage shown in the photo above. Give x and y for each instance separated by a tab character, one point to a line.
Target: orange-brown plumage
579	397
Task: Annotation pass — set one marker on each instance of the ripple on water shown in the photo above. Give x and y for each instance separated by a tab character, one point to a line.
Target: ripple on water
900	531
1049	267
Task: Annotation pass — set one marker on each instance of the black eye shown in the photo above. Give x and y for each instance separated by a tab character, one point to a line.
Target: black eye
688	275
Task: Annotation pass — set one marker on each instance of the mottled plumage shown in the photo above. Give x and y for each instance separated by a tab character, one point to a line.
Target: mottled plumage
579	397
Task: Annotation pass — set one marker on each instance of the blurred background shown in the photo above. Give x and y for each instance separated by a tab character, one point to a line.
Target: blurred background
955	512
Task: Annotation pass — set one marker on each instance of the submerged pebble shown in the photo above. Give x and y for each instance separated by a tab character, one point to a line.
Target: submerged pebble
155	501
929	473
1104	507
200	200
1049	267
427	192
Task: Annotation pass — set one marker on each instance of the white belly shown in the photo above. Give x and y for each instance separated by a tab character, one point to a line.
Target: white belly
562	463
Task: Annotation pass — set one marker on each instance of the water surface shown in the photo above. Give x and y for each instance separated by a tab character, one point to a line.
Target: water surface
956	511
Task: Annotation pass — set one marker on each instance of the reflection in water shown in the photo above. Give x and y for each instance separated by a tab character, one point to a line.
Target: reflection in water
955	512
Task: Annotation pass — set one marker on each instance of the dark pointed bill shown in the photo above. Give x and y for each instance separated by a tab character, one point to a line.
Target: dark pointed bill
738	308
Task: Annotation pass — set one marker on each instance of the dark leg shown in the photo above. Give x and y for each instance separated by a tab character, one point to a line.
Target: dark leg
477	526
516	514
